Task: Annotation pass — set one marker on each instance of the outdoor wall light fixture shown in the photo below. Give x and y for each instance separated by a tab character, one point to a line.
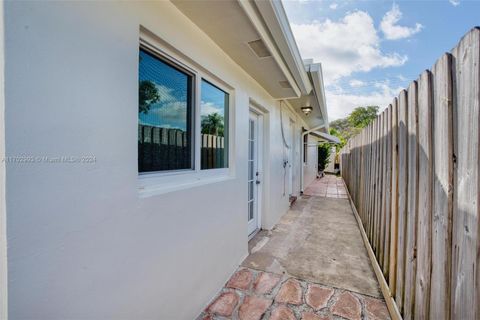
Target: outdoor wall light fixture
307	110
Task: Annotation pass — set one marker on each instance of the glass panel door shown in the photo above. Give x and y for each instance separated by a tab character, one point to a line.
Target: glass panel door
252	173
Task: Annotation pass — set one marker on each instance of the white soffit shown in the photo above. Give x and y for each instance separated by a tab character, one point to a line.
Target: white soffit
276	19
235	26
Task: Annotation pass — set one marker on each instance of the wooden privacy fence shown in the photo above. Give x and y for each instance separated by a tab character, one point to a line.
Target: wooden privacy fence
413	175
167	148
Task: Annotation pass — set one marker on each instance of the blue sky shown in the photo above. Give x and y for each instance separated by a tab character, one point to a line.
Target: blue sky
172	86
370	50
212	101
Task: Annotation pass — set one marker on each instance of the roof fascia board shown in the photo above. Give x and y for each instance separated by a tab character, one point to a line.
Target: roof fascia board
315	72
276	19
257	23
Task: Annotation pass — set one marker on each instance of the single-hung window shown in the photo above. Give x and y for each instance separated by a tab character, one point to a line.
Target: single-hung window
214	123
165	115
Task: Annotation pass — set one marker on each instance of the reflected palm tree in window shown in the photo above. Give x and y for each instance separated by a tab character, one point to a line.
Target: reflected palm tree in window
213	124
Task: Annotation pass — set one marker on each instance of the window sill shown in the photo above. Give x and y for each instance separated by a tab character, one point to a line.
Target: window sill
153	186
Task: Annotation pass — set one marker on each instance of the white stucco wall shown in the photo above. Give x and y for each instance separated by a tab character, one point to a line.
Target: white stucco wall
311	166
331	165
82	243
3	215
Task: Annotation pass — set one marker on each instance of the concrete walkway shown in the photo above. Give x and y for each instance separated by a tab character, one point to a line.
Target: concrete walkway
311	265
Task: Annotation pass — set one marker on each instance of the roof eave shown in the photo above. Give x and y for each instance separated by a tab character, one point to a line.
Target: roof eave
276	20
271	22
315	73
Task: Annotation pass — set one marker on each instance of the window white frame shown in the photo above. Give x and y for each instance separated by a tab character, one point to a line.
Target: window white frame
199	125
159	182
193	112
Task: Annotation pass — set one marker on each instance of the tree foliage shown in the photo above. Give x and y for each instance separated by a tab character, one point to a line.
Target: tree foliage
342	129
337	133
324	151
147	95
213	124
362	116
350	126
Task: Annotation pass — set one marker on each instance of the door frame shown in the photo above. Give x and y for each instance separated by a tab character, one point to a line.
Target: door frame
253	108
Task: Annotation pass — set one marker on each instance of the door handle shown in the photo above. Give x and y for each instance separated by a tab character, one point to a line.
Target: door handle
256	175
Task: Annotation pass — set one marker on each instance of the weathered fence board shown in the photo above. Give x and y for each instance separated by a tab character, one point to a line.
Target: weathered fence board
402	196
381	198
422	290
388	191
442	189
466	277
368	209
394	200
412	202
374	185
371	191
413	174
378	188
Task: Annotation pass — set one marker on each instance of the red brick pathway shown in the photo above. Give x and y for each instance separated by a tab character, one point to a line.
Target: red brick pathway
258	295
329	186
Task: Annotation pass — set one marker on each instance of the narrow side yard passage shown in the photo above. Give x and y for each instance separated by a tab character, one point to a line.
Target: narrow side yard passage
311	265
329	186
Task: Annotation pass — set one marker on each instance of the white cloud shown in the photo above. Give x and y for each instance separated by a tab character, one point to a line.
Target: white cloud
345	46
354	83
391	30
341	104
165	93
209	107
454	2
171	111
333	6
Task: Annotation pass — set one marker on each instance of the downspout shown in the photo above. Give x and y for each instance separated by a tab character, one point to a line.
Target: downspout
303	153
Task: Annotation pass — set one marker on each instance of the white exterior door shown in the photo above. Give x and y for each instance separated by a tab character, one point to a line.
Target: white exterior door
253	174
291	155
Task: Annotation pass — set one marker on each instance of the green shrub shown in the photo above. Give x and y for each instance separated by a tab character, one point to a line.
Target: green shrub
324	150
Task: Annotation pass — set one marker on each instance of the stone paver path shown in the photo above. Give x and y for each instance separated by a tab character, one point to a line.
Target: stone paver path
258	295
311	266
329	186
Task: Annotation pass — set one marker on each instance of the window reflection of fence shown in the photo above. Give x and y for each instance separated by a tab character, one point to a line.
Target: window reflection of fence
213	151
169	149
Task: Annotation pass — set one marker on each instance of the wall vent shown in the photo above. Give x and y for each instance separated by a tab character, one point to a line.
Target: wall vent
285	84
258	46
